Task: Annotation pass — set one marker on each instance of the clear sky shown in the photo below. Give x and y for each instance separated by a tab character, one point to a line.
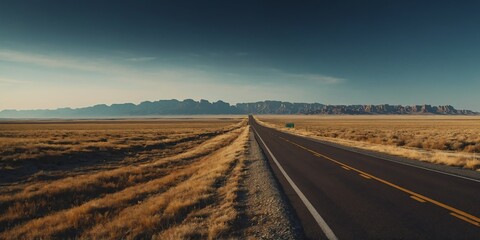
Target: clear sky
80	53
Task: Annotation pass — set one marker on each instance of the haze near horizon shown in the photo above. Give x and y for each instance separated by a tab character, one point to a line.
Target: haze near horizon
69	54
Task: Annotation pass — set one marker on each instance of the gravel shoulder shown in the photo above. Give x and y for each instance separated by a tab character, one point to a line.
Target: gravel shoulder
267	212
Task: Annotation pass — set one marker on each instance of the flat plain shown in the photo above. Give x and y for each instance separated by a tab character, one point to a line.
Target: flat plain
450	140
166	179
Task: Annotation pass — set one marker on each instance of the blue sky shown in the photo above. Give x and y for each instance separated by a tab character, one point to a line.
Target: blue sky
73	54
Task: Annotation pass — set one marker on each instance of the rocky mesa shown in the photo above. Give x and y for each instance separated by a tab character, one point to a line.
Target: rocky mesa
192	107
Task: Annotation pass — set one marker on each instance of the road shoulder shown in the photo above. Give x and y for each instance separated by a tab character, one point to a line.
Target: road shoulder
266	208
441	168
462	172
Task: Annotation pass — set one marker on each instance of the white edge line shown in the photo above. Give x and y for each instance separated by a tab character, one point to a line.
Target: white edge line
323	225
390	160
336	145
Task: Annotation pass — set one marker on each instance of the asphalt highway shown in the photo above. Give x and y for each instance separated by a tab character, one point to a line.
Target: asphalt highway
339	194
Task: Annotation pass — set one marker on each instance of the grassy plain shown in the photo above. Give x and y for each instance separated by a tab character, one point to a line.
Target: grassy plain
165	179
450	140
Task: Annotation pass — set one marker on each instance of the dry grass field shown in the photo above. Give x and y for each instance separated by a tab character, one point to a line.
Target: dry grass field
165	179
450	140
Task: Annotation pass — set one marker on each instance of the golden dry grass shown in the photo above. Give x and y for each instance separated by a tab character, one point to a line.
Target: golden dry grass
450	140
31	140
179	194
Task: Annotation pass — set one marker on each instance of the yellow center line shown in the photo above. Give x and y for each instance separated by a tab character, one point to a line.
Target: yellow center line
418	199
465	219
365	176
458	212
346	168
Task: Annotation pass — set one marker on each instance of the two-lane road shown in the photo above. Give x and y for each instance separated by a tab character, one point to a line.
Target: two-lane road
346	195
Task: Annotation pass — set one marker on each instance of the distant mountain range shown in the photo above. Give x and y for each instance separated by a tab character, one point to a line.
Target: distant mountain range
191	107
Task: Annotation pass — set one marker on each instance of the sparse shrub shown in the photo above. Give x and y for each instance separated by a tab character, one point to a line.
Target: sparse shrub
473	148
426	133
400	142
415	144
458	145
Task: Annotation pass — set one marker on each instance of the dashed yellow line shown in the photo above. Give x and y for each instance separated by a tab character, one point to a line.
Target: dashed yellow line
455	212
